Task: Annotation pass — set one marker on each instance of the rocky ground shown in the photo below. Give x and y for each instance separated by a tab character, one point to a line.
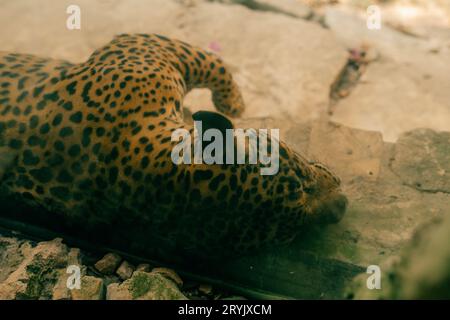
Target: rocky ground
31	270
356	99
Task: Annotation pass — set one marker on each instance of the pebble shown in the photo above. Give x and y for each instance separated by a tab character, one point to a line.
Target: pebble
125	271
108	264
144	267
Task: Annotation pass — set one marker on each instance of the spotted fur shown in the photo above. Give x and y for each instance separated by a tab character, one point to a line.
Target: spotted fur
91	142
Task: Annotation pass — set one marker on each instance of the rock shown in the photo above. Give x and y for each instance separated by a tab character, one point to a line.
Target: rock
11	255
92	288
144	267
60	290
399	103
37	273
169	274
125	270
145	286
422	160
104	23
295	134
264	70
397	91
108	264
421	272
41	272
108	279
424	272
349	153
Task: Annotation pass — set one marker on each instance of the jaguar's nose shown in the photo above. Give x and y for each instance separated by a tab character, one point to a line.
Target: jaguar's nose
332	210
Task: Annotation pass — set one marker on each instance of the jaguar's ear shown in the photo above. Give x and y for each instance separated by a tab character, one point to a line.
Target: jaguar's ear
213	120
